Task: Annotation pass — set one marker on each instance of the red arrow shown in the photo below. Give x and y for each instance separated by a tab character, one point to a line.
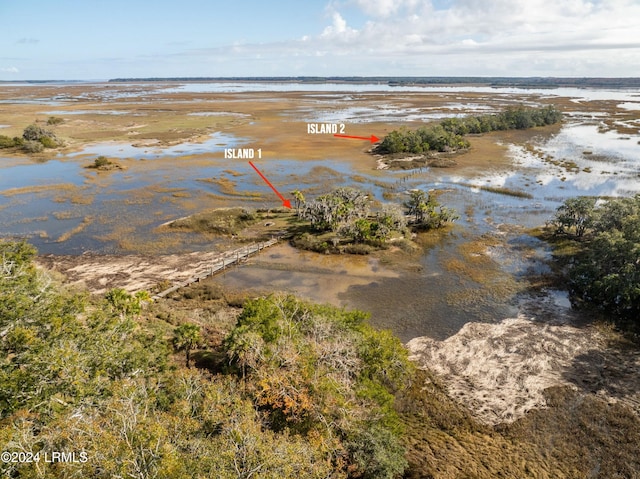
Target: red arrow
371	138
285	203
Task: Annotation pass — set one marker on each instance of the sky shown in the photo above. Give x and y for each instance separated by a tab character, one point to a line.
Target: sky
103	39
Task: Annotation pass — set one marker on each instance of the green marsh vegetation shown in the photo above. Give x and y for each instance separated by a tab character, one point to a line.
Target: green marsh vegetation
102	163
222	221
54	120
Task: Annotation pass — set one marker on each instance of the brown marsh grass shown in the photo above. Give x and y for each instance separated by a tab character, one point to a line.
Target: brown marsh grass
36	189
65	236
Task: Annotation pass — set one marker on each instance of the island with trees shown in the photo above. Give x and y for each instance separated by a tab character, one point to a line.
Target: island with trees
345	220
429	142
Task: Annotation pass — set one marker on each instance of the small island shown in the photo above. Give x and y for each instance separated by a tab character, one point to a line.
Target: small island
434	144
102	163
345	220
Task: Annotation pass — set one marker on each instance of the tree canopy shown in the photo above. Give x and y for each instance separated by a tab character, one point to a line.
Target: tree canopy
448	135
606	272
308	390
426	212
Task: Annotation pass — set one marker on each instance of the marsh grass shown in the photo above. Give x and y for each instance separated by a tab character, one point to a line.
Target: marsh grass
233	173
564	249
499	190
80	199
25	190
574	436
359	179
223	221
65	236
66	215
472	262
32	220
582	432
181	194
444	441
227	187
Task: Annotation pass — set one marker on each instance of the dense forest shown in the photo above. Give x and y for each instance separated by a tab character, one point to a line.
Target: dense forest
448	134
300	390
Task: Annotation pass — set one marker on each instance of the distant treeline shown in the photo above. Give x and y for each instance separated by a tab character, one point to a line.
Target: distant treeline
448	135
523	82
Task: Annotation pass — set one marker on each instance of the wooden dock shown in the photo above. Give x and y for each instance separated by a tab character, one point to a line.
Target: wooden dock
222	262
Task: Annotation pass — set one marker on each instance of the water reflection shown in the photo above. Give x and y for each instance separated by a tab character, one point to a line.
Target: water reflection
574	140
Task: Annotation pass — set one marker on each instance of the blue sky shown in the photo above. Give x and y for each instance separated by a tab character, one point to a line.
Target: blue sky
90	39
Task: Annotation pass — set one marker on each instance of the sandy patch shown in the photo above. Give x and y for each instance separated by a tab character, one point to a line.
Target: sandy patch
499	371
100	273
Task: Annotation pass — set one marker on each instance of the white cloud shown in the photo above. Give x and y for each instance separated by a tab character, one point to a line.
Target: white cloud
459	37
384	8
9	70
338	29
577	33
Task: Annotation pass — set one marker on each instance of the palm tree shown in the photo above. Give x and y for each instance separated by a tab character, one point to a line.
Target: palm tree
126	304
186	337
299	197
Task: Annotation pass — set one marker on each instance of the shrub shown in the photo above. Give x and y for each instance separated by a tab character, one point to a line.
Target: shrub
323	372
309	242
576	214
7	142
32	146
426	212
358	249
101	161
333	211
35	133
55	120
247	215
48	142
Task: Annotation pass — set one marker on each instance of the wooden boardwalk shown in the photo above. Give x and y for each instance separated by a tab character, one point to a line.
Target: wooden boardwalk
226	259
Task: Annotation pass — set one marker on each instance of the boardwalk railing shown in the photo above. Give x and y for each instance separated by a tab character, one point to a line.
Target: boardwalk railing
222	262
